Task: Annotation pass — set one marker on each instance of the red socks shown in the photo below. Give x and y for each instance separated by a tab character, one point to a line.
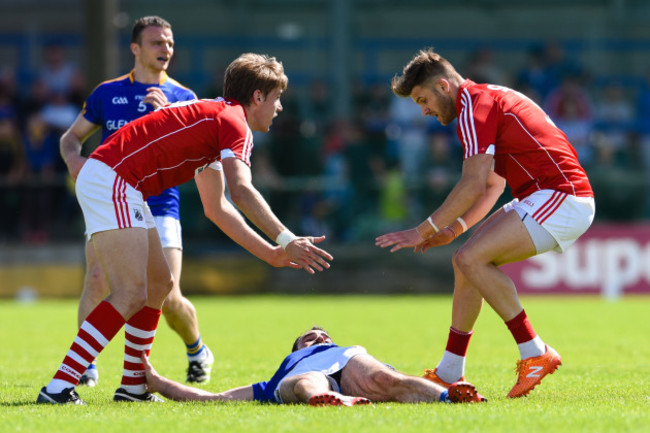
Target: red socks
521	328
139	333
458	341
95	333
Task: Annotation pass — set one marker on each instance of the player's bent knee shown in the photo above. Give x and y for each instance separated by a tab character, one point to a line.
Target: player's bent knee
172	304
463	261
96	279
162	287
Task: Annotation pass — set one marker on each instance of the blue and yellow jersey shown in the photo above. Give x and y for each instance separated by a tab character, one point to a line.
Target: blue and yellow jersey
116	102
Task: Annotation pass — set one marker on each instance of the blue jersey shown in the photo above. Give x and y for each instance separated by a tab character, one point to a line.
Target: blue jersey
116	102
327	358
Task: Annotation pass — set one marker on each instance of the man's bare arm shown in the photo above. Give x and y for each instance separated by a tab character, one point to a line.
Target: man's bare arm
301	250
71	142
221	212
179	392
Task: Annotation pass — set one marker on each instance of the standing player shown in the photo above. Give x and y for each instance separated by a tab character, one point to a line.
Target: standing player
170	146
110	106
506	138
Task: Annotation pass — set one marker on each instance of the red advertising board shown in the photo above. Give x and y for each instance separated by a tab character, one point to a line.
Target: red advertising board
610	259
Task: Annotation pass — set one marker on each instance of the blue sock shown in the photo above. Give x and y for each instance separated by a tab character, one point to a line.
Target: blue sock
195	350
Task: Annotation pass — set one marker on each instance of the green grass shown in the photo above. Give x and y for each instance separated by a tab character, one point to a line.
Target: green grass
603	386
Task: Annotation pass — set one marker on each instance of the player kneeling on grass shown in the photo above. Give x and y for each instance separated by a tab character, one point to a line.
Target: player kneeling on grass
320	373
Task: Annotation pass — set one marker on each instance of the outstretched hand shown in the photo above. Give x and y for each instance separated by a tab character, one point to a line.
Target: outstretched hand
398	240
280	259
306	255
443	237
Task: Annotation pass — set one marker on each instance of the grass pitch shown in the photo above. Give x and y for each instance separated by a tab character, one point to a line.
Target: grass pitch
603	385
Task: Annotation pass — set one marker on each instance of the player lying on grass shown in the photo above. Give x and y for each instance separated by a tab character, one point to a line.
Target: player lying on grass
320	373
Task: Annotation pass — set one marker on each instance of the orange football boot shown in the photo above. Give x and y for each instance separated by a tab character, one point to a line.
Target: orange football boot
433	377
464	392
531	371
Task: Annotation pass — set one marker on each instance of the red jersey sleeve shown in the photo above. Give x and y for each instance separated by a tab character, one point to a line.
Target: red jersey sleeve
477	123
235	137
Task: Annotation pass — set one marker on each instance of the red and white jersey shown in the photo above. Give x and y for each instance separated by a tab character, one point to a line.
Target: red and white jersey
165	147
530	152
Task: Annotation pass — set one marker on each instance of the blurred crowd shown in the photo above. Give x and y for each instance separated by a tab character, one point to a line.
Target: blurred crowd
384	167
36	199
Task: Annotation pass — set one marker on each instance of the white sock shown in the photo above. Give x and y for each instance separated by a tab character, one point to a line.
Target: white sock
451	367
57	385
534	347
135	389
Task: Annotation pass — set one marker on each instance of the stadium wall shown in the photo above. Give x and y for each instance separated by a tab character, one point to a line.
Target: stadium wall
610	259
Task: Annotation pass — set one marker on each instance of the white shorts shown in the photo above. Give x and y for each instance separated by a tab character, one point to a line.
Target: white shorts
327	363
108	202
565	217
169	229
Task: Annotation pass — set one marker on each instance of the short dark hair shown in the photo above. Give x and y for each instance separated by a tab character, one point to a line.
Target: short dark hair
250	72
144	22
313	328
425	66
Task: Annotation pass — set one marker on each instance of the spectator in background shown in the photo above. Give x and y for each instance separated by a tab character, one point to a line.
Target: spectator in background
60	75
11	148
317	108
557	67
481	67
364	161
9	97
571	108
37	97
613	122
443	168
292	150
12	163
410	136
531	80
42	186
393	197
372	104
337	195
619	158
12	154
59	112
